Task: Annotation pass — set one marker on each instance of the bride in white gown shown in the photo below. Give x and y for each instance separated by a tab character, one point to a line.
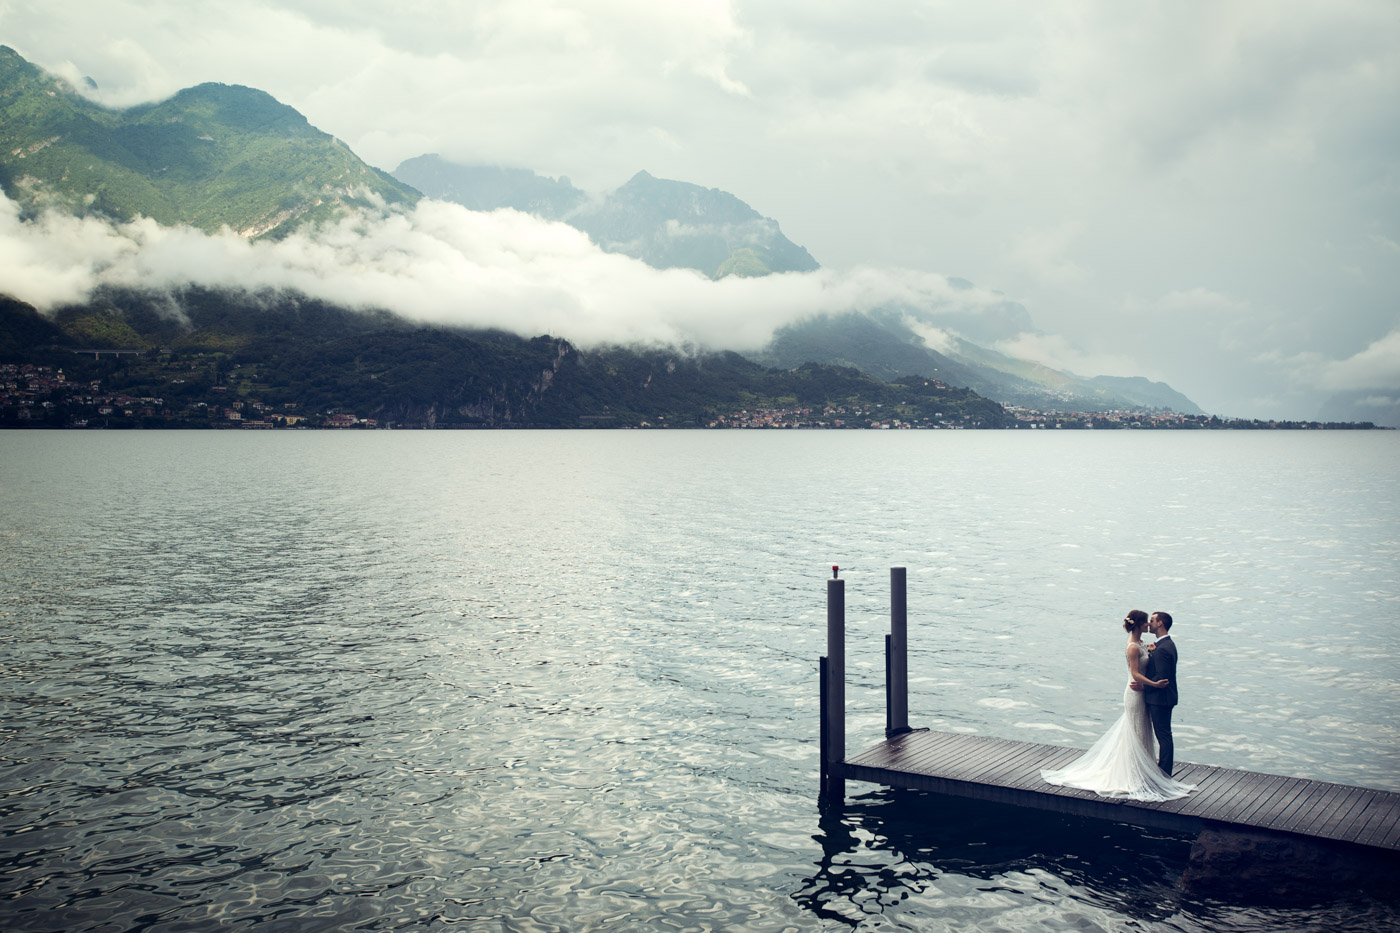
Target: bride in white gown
1123	763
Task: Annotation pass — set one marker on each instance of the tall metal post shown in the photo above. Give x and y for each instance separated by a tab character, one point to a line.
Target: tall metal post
834	711
824	731
897	657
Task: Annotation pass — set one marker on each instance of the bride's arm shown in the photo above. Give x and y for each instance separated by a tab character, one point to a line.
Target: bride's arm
1137	675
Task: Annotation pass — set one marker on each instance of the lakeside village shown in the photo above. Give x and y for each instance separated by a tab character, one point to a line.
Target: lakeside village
41	396
870	418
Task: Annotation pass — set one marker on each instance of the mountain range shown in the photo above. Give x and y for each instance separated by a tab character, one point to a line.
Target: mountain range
216	156
676	225
887	343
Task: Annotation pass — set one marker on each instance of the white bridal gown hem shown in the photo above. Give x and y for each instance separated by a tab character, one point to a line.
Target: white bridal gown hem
1123	763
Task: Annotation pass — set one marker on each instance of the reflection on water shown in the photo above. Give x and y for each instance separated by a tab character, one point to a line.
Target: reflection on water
540	681
919	837
895	859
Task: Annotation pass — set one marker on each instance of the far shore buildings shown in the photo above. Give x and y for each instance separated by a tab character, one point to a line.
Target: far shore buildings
43	396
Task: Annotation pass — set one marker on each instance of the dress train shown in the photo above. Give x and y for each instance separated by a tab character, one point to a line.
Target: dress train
1123	762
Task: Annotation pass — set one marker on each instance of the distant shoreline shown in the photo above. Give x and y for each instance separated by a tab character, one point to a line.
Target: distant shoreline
201	393
132	425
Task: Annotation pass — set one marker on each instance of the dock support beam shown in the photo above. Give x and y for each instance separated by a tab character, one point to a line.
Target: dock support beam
897	657
833	701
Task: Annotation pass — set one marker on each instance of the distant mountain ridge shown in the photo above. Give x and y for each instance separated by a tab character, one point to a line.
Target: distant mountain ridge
490	187
666	224
211	156
673	224
887	343
1379	406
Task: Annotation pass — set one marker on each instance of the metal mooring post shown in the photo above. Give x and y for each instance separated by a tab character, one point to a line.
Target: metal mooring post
897	657
833	725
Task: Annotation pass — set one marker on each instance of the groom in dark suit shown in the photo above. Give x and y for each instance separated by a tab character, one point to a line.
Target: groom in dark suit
1161	665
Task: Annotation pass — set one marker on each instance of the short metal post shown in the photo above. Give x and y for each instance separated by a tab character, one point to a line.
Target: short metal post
897	657
889	686
834	784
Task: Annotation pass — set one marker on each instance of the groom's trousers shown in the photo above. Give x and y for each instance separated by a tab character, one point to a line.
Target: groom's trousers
1162	728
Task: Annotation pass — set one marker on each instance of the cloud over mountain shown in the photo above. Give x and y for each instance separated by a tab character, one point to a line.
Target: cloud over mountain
443	263
1205	190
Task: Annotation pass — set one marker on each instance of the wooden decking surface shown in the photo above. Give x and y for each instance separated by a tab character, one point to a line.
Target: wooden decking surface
1009	772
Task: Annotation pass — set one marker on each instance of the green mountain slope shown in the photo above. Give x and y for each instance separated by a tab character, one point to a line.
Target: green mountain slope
24	331
211	156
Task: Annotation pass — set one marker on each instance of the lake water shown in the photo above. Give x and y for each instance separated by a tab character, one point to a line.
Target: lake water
567	681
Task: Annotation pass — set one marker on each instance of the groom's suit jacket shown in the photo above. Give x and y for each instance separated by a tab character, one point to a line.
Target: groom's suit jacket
1161	663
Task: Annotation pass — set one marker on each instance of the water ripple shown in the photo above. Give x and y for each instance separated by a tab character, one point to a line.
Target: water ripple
566	681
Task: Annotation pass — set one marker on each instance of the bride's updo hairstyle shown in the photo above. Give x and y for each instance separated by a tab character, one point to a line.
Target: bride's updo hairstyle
1135	618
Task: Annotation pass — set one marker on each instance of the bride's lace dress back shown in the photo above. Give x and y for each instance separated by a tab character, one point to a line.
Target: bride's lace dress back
1123	763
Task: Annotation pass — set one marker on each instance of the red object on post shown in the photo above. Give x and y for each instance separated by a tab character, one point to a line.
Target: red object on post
834	568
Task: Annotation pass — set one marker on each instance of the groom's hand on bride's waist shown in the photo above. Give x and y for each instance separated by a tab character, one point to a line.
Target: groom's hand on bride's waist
1135	686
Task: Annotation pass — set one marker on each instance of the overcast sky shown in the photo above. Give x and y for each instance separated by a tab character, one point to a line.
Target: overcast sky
1206	193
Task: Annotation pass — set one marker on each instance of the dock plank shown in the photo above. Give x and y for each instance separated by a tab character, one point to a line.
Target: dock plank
1247	794
909	750
989	768
1343	814
1301	804
1214	787
1391	838
1053	761
1318	809
1027	763
1358	815
974	757
1030	760
1378	827
1271	805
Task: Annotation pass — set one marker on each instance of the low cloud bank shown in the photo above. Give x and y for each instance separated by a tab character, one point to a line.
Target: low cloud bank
1377	366
441	263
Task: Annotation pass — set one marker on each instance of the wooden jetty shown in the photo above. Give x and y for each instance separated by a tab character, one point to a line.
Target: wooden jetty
1005	771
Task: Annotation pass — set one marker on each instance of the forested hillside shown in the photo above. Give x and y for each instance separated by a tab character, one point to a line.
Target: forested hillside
204	358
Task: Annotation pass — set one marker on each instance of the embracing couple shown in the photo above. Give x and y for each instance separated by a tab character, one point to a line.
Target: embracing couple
1122	762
